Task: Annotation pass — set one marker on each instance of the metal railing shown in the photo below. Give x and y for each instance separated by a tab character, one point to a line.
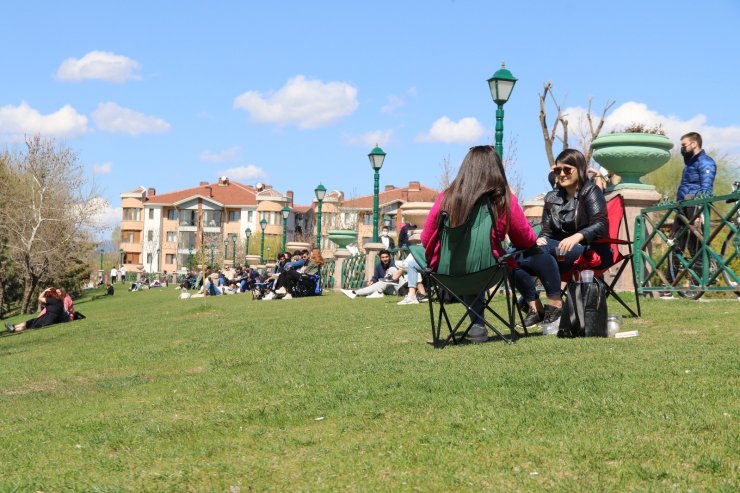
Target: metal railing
353	272
327	274
710	261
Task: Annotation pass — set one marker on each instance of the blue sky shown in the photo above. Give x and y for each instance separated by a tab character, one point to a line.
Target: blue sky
166	94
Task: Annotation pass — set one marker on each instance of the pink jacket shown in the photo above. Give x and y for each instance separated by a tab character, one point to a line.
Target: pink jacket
521	233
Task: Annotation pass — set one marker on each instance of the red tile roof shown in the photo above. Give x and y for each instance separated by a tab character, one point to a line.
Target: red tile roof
413	193
232	194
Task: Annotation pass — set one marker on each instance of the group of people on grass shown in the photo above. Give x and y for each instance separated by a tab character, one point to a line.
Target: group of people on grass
55	305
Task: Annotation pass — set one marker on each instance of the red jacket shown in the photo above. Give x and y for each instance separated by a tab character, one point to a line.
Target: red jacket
521	234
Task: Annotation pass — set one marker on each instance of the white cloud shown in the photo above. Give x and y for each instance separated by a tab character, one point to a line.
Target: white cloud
244	173
721	138
219	157
17	121
102	169
302	102
394	102
370	139
113	118
101	65
445	130
106	217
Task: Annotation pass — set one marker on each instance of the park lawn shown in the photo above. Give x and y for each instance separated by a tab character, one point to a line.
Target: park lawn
154	393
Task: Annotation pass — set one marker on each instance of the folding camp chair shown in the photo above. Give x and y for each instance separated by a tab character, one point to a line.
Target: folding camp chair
467	267
617	217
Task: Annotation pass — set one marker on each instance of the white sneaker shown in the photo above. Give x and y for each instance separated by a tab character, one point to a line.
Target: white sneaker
288	297
350	294
408	300
376	294
269	296
281	291
401	264
478	333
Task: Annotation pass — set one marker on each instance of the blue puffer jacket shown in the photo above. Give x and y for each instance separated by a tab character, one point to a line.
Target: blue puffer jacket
698	176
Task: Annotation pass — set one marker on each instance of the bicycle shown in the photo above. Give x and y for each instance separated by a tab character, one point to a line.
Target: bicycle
689	275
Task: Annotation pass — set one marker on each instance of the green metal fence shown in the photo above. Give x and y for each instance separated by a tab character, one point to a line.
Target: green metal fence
711	260
353	272
327	274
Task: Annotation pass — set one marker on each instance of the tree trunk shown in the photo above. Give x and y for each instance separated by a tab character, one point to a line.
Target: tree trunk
29	288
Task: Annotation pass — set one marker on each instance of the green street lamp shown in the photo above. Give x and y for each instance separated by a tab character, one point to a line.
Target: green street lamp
212	246
501	84
247	235
120	256
286	213
226	250
387	221
376	156
263	225
101	259
233	251
320	192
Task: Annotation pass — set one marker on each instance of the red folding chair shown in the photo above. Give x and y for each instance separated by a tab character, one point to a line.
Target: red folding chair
617	216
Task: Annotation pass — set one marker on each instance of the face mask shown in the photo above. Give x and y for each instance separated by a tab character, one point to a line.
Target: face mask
686	152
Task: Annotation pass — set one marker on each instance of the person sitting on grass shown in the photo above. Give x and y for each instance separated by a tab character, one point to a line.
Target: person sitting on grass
109	289
289	277
53	312
384	280
415	285
69	305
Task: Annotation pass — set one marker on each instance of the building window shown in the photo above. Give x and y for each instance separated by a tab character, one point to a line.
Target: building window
131	214
234	216
130	236
148	258
250	216
150	235
367	219
151	213
171	236
170	258
172	214
212	219
187	240
188	217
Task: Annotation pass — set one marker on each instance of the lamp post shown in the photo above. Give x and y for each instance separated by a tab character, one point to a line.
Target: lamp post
286	213
159	262
226	250
376	156
247	234
320	192
190	258
233	251
263	225
120	256
212	254
501	84
101	260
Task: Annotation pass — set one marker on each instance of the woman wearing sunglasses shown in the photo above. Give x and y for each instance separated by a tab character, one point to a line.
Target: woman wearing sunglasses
574	216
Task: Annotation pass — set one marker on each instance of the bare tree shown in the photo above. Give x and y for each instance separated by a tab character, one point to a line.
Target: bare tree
448	173
587	130
46	209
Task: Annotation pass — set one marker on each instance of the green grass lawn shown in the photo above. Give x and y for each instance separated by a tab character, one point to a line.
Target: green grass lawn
153	393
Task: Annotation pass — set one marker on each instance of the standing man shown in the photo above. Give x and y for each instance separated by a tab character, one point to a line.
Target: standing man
113	275
122	272
698	178
385	238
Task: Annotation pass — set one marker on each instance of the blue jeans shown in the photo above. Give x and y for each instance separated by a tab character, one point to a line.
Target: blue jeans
478	304
412	272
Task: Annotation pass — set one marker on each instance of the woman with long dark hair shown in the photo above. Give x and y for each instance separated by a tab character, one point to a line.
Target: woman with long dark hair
573	217
481	175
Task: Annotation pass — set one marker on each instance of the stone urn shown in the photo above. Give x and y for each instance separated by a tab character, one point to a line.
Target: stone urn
342	238
292	246
416	213
632	155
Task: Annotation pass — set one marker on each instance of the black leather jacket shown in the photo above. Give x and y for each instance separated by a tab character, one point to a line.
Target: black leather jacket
585	214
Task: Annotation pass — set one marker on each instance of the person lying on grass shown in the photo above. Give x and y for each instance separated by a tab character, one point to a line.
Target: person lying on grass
52	314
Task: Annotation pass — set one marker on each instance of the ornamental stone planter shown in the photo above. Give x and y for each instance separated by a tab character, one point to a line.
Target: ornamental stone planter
632	155
416	213
292	246
342	238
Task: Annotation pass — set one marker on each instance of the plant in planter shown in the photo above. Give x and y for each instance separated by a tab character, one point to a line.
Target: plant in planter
632	153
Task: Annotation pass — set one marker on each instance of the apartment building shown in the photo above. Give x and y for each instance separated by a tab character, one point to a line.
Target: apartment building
172	231
167	231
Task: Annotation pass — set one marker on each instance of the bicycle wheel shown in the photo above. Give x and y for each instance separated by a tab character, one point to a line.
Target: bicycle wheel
689	287
729	247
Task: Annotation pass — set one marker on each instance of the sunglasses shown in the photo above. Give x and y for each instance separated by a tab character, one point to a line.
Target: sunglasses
567	171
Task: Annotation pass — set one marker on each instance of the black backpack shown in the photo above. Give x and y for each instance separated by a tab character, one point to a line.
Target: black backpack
584	310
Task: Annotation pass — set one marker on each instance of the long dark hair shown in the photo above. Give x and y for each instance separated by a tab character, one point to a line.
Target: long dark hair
575	158
481	173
